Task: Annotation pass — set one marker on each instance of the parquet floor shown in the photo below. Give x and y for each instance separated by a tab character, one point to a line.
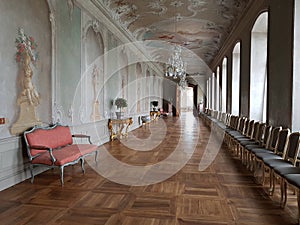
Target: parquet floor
223	194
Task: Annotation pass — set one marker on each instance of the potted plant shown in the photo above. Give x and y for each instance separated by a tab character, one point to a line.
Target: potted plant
120	103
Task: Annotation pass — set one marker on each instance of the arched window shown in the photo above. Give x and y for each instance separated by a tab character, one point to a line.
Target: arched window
218	89
213	91
296	72
224	84
208	95
236	60
258	74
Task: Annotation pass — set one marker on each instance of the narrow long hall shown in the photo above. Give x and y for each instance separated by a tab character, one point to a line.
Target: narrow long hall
162	183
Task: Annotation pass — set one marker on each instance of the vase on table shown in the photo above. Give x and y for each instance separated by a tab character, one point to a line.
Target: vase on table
119	115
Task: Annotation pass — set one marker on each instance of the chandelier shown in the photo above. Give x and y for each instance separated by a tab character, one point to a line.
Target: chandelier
176	68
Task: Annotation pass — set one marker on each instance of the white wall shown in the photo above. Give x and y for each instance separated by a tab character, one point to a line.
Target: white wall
33	17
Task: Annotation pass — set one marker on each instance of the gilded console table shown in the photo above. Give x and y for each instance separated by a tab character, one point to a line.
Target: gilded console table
154	115
116	127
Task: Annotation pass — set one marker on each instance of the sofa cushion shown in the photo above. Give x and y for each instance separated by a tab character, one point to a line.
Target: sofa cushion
55	137
63	156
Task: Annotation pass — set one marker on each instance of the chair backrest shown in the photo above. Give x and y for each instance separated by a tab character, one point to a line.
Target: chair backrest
281	141
250	128
242	124
209	112
219	116
236	122
271	145
230	121
227	119
266	135
255	130
233	121
222	118
260	133
215	114
292	148
246	125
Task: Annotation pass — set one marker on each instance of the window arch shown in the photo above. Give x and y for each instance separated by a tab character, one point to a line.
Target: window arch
258	69
236	60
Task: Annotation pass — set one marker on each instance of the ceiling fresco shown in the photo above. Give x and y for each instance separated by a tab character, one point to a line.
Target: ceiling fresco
198	25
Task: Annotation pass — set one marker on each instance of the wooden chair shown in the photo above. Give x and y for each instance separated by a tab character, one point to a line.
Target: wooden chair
246	146
288	160
269	148
270	158
263	145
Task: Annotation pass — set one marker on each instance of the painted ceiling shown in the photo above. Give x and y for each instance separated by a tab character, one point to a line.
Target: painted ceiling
200	26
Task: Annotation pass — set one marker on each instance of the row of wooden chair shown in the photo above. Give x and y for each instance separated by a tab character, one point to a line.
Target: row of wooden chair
262	149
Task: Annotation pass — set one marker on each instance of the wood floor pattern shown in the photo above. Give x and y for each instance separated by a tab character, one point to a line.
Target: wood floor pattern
224	194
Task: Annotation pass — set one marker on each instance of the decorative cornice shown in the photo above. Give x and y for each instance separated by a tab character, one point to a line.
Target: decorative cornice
98	10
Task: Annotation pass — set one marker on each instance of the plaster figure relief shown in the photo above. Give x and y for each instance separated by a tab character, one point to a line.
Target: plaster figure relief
96	106
29	98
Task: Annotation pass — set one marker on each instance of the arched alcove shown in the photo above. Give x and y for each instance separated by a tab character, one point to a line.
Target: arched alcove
92	86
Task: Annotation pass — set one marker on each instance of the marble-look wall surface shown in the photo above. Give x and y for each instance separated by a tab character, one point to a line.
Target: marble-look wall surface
71	43
33	17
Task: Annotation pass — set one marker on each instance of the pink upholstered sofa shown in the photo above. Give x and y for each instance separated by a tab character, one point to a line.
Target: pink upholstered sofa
53	146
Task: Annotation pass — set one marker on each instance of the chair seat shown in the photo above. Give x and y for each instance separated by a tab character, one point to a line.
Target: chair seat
228	130
265	156
238	136
290	169
247	142
252	146
274	163
293	179
233	132
221	125
260	150
243	139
